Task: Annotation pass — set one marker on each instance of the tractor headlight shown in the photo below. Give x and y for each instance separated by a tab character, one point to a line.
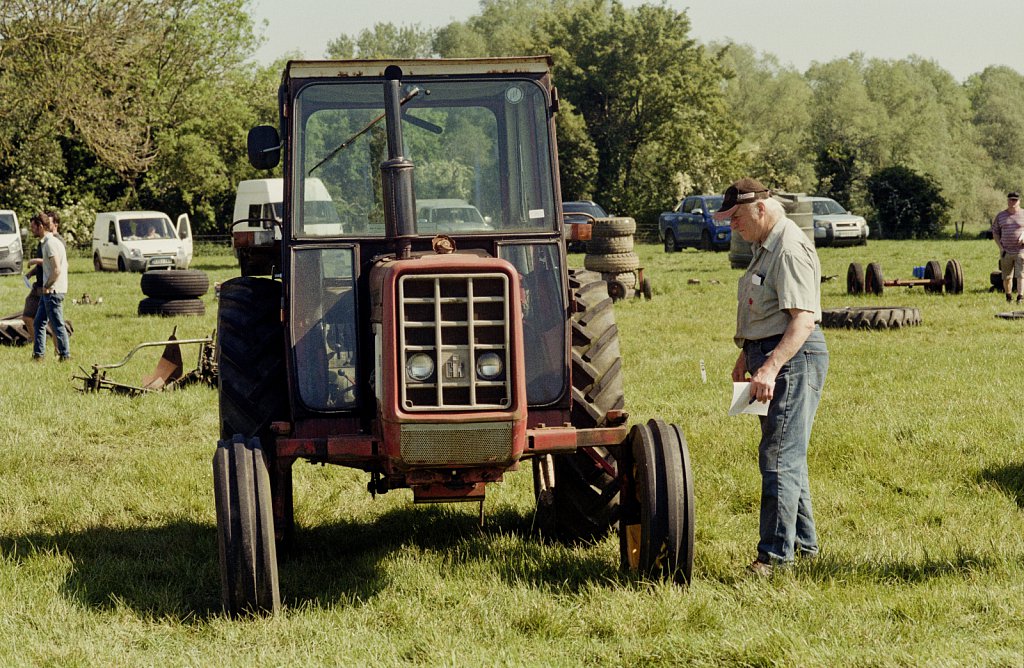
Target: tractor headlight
489	366
419	367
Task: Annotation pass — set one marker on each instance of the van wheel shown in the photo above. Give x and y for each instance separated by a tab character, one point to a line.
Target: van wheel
96	264
121	266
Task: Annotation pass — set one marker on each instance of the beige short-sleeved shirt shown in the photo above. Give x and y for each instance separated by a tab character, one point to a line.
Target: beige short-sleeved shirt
784	273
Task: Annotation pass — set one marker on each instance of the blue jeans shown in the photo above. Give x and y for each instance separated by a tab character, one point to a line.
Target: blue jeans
787	522
51	309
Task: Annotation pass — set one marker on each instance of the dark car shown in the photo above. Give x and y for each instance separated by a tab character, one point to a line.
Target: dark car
578	216
691	224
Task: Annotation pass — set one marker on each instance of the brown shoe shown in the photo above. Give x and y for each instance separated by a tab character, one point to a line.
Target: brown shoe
760	568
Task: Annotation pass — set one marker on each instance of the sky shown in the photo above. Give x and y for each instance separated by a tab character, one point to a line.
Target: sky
962	36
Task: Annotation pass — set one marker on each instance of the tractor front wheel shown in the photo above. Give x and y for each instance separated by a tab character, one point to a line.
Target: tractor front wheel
245	528
656	527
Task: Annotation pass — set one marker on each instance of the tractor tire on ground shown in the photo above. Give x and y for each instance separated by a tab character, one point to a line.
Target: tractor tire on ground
606	228
656	530
175	284
169	307
886	317
933	272
953	279
251	359
855	279
610	245
873	281
583	503
245	528
612	264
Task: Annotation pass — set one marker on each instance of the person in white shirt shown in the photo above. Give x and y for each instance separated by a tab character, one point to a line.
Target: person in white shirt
55	288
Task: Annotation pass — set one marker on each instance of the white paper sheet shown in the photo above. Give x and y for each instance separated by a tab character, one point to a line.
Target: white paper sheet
741	402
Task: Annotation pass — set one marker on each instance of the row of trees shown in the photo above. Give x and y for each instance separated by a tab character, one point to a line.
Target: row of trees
127	104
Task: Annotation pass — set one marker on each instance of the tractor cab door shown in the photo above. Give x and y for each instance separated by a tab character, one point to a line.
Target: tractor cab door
184	229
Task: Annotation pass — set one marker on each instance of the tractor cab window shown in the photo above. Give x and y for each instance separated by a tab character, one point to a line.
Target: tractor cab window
481	152
323	329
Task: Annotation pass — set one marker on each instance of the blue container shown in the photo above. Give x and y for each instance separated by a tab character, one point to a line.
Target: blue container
918	272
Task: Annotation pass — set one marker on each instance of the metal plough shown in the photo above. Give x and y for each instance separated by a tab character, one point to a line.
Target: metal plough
169	373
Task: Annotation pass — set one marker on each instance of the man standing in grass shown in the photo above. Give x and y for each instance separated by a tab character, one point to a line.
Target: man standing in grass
55	288
1007	229
783	351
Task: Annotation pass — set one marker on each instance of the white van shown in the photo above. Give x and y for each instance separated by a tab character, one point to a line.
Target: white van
140	241
10	242
259	210
434	216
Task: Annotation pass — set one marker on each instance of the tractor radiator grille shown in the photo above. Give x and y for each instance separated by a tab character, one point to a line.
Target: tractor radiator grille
454	319
441	444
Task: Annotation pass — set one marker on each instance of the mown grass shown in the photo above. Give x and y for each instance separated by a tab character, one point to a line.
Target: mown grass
108	550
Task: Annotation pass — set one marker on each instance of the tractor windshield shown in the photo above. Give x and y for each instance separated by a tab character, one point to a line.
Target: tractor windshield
480	149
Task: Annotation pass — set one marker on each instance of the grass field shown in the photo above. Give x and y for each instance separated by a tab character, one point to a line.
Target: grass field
108	550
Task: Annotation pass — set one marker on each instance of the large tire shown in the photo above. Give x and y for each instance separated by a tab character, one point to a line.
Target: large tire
252	384
618	263
855	279
886	317
933	273
873	280
953	279
610	245
606	228
656	532
171	307
245	528
583	502
175	284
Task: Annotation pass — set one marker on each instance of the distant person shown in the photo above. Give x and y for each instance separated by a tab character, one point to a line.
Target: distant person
35	273
55	288
783	352
1007	229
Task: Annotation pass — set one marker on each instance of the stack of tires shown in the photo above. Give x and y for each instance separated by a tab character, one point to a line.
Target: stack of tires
174	292
610	252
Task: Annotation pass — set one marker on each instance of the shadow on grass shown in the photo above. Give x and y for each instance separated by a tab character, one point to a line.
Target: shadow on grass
1007	479
173	572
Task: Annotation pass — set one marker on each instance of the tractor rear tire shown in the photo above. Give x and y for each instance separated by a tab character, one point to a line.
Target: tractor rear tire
252	385
245	528
176	284
656	532
584	502
885	317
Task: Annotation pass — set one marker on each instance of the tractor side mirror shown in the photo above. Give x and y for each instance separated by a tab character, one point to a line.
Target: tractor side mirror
264	147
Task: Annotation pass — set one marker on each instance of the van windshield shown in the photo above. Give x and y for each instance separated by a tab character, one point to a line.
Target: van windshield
7	225
135	229
481	152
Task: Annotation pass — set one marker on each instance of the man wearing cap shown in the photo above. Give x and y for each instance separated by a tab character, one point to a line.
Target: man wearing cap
1006	231
784	357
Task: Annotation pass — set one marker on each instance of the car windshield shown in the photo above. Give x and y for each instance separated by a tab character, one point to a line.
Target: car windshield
714	203
589	208
484	144
6	223
825	207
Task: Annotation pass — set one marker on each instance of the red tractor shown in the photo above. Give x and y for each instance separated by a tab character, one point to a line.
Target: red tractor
437	350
